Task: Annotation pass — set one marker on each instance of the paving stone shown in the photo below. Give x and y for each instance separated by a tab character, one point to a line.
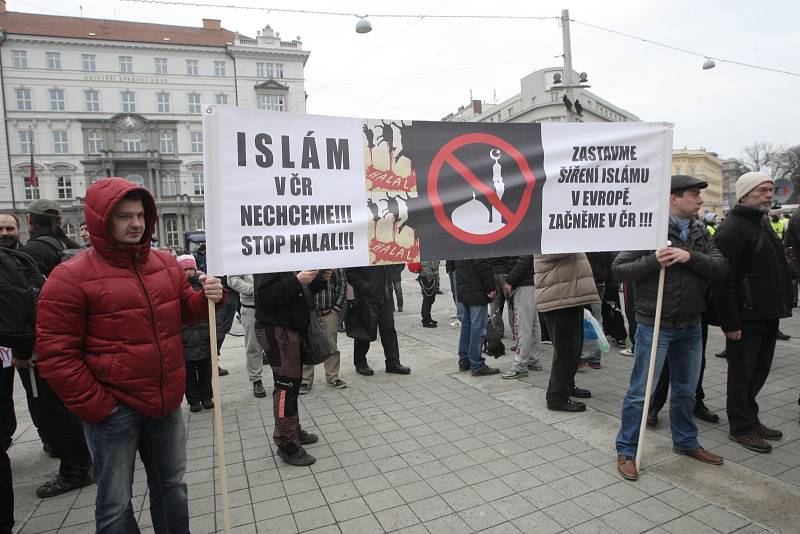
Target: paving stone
416	491
372	484
349	509
340	492
448	524
272	508
462	498
396	518
537	523
628	521
383	500
313	518
719	519
430	508
306	500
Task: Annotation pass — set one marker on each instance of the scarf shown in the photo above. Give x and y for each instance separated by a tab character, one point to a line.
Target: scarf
682	225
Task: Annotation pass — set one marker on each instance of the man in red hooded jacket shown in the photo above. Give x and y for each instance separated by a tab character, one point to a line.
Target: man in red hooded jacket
109	342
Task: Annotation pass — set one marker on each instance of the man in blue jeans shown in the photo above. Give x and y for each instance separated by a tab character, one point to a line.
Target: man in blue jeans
476	289
691	260
109	343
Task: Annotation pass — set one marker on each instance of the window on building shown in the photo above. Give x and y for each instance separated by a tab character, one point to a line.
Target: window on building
126	63
171	230
60	142
192	67
162	102
197	183
271	102
64	184
53	60
169	185
260	70
555	96
166	143
222	98
131	143
92	100
88	62
31	191
200	223
219	68
128	102
510	111
196	141
24	102
161	65
26	141
279	70
194	103
20	58
692	171
56	100
94	142
69	229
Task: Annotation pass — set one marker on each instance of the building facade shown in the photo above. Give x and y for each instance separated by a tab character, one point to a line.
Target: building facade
706	166
542	100
732	169
93	98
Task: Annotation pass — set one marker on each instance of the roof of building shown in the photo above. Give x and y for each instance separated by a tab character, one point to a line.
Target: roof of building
111	30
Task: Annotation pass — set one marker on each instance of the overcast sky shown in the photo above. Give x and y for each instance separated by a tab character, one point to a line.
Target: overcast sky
425	69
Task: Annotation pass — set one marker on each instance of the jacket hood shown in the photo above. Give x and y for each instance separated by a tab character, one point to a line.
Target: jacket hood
101	199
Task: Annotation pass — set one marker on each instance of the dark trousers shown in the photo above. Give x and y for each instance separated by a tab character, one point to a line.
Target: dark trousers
282	347
226	317
749	362
388	337
198	381
8	425
566	332
397	287
62	430
662	389
428	288
630	311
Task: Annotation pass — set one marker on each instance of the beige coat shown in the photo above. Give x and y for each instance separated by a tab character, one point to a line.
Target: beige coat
563	281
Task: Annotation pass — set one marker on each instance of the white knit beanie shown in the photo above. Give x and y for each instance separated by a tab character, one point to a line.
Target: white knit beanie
749	181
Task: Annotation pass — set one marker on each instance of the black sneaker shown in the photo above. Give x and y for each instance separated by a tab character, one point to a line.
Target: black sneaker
652	419
299	457
486	371
207	404
463	366
258	389
58	486
195	407
580	393
429	324
308	439
569	406
222	372
783	337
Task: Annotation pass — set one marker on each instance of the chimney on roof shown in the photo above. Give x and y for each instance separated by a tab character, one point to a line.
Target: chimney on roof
2	6
210	24
477	107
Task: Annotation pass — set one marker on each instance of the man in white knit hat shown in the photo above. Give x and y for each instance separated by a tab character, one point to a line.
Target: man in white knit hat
751	300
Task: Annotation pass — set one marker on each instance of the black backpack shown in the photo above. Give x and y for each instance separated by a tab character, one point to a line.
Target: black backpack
64	253
493	343
20	283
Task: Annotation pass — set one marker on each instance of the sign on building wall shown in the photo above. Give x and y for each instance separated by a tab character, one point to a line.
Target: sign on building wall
291	191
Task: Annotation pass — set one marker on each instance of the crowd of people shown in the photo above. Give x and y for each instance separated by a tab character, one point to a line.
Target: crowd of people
122	337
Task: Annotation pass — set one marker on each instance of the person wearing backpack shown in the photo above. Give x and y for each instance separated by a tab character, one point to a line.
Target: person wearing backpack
60	429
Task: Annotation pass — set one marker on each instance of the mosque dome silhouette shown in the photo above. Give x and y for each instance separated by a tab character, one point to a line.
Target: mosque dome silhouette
473	217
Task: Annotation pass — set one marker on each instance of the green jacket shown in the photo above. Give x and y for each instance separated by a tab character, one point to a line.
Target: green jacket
430	269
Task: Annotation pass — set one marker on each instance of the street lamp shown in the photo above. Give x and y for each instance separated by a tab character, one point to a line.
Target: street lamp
709	64
566	82
363	25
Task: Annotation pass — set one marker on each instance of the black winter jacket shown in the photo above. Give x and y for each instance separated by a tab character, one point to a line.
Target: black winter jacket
281	301
758	285
502	264
521	273
196	344
474	280
686	285
46	256
370	284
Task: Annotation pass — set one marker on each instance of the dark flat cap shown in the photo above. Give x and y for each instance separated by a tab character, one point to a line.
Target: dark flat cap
44	207
682	182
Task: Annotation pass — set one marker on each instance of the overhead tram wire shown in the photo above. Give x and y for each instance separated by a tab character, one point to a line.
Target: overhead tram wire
190	3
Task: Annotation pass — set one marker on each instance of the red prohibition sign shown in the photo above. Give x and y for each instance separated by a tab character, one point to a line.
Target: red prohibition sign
447	155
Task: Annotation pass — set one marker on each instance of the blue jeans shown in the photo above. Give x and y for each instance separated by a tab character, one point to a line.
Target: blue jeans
459	306
473	327
683	348
161	443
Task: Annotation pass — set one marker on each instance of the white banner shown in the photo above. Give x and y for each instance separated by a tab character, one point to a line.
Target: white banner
293	191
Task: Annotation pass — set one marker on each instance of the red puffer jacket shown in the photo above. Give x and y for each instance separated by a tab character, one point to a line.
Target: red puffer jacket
108	328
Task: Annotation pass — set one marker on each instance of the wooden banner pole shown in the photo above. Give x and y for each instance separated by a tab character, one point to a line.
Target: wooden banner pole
652	367
218	436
